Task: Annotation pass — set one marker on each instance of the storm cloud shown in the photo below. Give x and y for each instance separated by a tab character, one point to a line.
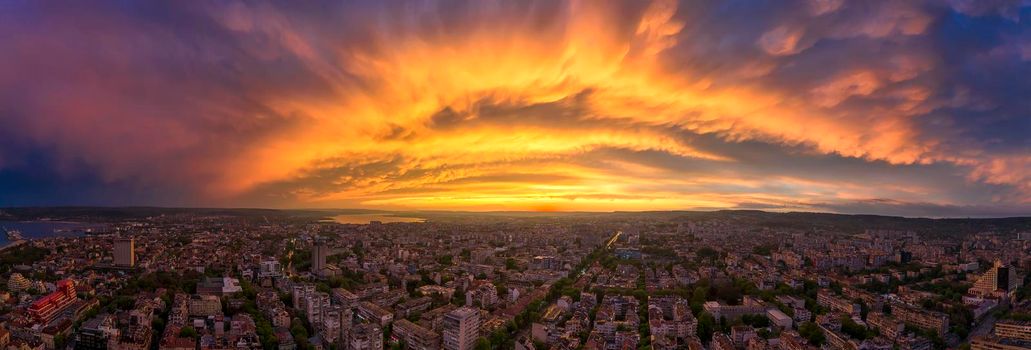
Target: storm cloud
913	107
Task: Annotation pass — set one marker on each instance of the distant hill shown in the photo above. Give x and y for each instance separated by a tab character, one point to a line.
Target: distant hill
129	213
760	219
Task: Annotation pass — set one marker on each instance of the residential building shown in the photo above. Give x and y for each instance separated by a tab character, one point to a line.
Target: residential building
999	281
96	333
461	328
47	308
365	336
220	286
997	343
125	252
924	319
415	337
319	253
1013	329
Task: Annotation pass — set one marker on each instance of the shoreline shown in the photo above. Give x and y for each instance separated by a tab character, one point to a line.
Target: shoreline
365	219
13	244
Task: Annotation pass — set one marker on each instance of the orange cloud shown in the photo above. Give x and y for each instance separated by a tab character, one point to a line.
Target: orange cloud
505	105
410	76
780	41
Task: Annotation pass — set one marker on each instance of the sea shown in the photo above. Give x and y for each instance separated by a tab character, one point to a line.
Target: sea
361	219
45	229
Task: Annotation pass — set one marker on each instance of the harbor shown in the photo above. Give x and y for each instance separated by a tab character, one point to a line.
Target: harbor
19	232
14	238
13	235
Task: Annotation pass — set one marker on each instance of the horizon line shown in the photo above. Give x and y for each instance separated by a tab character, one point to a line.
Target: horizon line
542	212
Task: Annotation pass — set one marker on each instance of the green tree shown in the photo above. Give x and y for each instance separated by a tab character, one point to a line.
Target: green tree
124	302
188	332
706	253
757	321
706	326
444	260
59	341
855	330
813	333
482	344
698	298
300	333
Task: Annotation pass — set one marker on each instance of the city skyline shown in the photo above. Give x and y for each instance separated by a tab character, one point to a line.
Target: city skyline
176	279
913	109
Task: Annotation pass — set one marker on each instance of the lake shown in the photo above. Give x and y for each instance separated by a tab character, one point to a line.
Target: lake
361	219
44	229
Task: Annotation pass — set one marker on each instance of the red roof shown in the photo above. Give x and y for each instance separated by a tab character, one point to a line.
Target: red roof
64	288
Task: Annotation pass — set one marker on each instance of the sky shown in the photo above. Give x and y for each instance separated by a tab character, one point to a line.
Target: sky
912	108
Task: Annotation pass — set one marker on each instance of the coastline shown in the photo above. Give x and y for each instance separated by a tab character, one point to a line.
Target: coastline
364	219
13	244
29	230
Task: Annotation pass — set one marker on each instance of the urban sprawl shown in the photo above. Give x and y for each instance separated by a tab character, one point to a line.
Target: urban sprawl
189	281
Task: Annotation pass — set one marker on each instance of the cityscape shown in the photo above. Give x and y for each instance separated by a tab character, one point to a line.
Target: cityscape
515	175
148	278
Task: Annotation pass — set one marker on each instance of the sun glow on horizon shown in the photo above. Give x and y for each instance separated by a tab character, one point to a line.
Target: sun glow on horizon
542	106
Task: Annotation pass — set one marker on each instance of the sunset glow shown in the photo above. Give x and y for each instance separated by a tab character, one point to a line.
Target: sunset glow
494	105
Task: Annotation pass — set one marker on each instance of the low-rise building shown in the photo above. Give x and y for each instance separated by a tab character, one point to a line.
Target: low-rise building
920	318
998	343
1013	329
415	337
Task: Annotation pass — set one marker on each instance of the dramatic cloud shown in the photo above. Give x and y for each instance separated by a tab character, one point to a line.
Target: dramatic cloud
865	106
